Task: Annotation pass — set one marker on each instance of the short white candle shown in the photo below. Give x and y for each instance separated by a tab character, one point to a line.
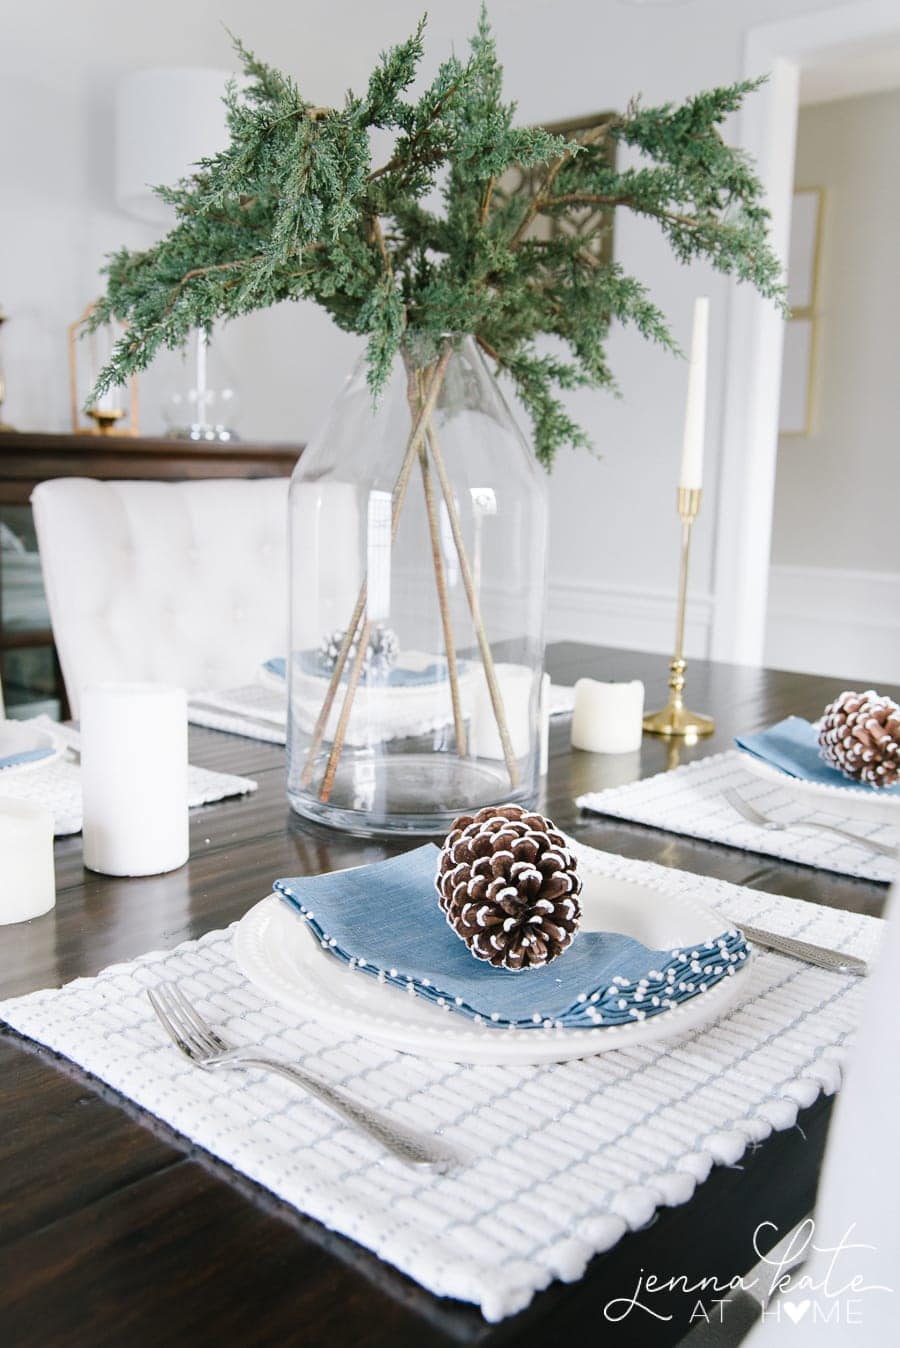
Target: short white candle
27	882
134	778
695	409
608	716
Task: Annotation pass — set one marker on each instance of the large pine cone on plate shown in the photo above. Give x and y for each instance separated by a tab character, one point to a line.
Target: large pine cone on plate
860	735
509	886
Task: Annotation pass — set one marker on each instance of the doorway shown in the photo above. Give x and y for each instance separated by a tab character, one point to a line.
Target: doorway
834	580
786	51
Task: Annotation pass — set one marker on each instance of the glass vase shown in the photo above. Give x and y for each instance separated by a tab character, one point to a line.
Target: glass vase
418	530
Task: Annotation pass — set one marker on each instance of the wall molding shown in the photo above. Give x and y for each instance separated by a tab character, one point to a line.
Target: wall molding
831	620
626	616
822	620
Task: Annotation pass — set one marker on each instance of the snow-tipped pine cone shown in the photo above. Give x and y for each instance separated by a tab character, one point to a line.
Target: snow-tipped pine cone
382	650
509	886
860	735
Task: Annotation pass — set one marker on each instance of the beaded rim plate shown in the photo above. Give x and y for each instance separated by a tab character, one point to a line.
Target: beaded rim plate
17	737
278	953
846	801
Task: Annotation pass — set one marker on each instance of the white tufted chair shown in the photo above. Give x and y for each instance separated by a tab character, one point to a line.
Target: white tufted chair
184	582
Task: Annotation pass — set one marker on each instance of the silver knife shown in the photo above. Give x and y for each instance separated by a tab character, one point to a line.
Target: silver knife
835	960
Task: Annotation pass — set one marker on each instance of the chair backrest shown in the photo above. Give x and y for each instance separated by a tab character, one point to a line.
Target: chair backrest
181	582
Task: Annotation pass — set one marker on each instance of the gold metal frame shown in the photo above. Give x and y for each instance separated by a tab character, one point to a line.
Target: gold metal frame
810	312
4	425
105	423
526	181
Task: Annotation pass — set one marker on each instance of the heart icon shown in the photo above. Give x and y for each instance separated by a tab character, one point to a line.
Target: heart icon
796	1311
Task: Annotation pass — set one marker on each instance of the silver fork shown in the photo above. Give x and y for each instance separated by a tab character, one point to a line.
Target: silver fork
755	816
206	1048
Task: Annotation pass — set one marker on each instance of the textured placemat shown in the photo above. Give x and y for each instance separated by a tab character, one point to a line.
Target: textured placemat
256	712
689	800
58	786
561	1160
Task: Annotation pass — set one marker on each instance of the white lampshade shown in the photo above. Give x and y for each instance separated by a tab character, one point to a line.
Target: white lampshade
166	120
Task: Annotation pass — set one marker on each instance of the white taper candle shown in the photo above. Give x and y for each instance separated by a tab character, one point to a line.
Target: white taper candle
695	410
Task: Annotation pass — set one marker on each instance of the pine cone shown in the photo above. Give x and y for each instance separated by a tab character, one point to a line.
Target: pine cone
509	886
382	650
860	735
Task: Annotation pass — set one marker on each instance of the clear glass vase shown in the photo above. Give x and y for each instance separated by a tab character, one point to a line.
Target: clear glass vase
418	548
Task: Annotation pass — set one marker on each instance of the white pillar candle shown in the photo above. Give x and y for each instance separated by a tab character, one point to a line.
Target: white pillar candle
515	683
545	725
608	716
134	778
27	883
695	410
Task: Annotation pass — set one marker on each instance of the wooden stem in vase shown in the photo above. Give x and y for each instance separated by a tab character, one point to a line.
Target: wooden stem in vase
336	676
340	734
440	579
459	724
484	646
398	496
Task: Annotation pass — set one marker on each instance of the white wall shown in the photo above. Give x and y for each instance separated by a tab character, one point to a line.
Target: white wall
835	585
614	534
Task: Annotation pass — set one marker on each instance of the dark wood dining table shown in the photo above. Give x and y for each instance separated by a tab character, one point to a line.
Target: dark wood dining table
115	1231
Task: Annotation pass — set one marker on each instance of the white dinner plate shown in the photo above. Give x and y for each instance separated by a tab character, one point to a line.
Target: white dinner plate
18	737
278	953
845	802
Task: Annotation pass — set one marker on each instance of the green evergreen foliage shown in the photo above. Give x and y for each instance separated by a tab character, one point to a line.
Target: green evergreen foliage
294	208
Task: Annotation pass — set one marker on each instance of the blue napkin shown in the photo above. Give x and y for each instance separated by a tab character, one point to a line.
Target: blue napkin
25	756
384	920
793	746
310	663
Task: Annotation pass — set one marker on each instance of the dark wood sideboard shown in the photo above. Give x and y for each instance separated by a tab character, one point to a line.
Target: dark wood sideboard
29	669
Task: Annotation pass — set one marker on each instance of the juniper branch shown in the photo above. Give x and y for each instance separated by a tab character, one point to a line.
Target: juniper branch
294	209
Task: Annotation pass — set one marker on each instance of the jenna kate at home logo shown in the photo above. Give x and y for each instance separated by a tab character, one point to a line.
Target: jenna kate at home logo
835	1294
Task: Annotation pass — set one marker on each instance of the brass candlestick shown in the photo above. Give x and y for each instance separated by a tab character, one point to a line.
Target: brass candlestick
674	719
106	419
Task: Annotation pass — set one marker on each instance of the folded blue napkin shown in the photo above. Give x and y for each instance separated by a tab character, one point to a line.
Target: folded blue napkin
384	920
310	662
793	746
25	756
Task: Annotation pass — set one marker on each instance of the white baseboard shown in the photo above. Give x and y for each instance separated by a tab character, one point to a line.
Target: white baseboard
824	620
625	616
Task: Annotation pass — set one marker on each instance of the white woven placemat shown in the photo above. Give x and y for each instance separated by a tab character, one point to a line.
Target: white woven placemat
689	800
562	1160
231	709
258	711
58	786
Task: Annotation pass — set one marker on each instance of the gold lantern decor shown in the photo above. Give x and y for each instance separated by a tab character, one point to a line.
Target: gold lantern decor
3	425
117	411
